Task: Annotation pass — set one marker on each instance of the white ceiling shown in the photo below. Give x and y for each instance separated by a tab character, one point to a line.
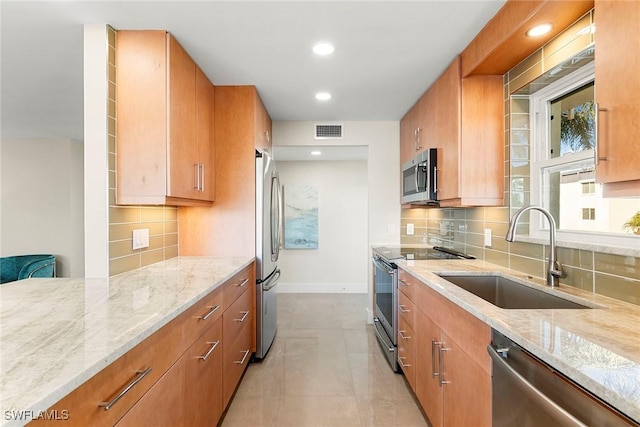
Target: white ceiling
387	53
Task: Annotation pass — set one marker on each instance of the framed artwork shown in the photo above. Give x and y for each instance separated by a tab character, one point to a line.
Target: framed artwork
301	216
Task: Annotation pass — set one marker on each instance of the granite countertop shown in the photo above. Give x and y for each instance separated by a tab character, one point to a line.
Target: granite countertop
598	348
57	333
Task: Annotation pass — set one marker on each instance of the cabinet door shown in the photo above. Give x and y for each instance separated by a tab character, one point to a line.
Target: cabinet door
617	88
204	136
161	405
183	158
408	126
203	379
447	131
466	388
428	390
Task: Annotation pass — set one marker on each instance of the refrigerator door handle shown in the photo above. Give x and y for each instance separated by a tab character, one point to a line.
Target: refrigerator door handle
275	216
271	282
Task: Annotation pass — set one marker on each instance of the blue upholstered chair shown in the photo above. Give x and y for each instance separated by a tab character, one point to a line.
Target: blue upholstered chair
20	267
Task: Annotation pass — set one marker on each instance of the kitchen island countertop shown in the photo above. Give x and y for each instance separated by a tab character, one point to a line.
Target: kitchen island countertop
598	348
57	333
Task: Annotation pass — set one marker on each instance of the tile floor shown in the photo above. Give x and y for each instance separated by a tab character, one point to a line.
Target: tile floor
325	368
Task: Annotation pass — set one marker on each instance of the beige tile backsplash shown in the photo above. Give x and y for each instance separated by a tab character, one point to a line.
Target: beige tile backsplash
162	221
616	276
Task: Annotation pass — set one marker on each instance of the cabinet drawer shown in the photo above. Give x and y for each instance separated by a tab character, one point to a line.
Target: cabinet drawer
235	286
408	284
407	352
234	363
201	316
406	310
236	318
142	366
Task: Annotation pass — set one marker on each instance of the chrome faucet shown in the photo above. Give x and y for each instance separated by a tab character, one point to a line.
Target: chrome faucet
555	271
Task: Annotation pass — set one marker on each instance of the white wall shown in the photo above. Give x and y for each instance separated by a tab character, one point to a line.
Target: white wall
41	189
383	179
340	262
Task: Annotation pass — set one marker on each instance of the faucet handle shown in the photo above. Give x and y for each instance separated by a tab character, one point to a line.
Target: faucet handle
557	271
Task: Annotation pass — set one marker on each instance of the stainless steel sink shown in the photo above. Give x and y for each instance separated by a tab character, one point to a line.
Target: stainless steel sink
505	293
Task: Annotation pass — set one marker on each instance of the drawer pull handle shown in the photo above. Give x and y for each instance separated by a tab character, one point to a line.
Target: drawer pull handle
402	364
403	309
241	362
244	316
212	309
401	333
213	345
241	284
402	282
139	376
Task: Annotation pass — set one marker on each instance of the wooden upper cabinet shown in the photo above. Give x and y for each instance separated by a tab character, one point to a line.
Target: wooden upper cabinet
263	137
164	143
617	85
408	126
464	120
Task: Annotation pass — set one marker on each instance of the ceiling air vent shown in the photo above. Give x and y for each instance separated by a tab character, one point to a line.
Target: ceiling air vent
328	131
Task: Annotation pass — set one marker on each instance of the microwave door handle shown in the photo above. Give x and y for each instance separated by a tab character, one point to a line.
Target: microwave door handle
415	175
435	180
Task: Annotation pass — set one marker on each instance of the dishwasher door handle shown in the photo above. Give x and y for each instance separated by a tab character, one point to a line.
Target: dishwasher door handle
563	417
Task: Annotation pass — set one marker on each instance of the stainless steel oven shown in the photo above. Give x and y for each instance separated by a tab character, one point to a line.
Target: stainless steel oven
385	279
385	284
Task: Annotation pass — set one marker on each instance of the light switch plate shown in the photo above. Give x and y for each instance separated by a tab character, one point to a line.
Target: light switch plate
140	238
410	230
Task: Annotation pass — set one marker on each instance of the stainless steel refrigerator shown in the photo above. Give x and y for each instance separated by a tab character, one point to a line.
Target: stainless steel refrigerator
268	233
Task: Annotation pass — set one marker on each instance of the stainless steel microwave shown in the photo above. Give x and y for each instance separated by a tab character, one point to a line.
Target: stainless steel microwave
419	179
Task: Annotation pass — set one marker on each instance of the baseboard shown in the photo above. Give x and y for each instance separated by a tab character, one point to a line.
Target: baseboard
322	288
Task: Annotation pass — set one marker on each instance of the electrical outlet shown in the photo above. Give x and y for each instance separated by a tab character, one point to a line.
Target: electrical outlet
410	230
487	237
140	238
391	229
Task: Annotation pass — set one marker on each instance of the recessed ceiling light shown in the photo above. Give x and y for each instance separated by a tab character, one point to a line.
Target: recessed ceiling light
316	153
539	30
323	48
323	96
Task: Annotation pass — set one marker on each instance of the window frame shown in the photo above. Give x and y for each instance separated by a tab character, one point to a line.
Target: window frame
539	161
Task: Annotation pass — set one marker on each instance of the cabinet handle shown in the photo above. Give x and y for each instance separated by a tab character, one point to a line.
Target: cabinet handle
415	139
403	309
402	364
418	131
434	344
241	284
401	333
402	282
596	156
435	179
196	168
245	314
213	345
241	362
441	380
139	376
202	177
212	309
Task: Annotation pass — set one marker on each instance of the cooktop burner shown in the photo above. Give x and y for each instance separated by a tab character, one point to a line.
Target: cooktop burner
420	253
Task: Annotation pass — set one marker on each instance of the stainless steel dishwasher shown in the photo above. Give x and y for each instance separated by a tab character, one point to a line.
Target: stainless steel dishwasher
529	393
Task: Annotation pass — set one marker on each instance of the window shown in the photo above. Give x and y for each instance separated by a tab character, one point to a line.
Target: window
588	214
589	187
563	127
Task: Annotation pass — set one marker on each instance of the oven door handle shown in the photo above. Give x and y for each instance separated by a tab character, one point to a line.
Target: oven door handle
384	267
563	417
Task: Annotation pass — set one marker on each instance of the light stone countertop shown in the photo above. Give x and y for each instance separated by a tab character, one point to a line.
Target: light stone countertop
57	333
598	348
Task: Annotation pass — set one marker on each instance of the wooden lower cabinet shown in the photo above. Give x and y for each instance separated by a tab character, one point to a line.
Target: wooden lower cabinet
182	375
450	373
